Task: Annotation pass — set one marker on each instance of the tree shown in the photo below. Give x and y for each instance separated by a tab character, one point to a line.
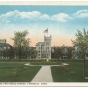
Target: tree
69	52
25	52
82	43
64	52
33	53
11	53
57	53
20	41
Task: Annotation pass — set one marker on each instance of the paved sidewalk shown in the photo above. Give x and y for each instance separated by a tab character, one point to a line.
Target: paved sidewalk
44	75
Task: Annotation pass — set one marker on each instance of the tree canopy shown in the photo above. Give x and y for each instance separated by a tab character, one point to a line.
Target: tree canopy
20	40
81	41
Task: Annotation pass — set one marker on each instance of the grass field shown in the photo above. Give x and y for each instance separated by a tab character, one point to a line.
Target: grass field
71	73
15	71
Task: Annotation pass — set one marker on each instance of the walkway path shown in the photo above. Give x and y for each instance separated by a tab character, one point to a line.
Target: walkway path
44	75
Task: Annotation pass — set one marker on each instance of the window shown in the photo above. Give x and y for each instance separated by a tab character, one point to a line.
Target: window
0	48
4	47
39	54
42	47
42	54
39	47
39	51
47	43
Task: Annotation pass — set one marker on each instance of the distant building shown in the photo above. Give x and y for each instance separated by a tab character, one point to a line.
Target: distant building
44	48
27	52
4	48
61	52
2	40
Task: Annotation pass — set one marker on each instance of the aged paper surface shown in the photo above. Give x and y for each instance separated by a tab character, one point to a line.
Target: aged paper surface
61	17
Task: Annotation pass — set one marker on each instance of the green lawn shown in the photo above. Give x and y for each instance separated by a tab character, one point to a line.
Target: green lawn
24	73
71	73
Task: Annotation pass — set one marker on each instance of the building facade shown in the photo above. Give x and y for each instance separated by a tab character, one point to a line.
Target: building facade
2	40
4	47
44	48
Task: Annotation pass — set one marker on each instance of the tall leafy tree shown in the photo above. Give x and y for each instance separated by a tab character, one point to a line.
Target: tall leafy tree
57	53
20	41
82	43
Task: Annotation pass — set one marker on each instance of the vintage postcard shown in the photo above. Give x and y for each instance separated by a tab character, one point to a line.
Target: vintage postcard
44	44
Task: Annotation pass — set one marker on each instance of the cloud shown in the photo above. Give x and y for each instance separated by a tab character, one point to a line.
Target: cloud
30	15
81	14
34	15
45	16
62	17
9	14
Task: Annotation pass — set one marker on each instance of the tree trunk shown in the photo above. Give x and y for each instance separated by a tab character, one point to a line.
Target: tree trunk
20	53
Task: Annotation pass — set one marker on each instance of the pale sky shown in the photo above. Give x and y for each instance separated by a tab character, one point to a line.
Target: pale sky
62	22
